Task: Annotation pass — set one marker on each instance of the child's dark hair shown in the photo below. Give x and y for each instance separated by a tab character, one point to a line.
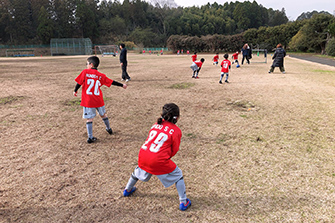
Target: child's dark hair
94	60
226	56
202	60
170	113
122	45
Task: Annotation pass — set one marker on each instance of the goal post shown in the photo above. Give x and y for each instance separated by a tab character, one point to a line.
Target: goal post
106	50
260	53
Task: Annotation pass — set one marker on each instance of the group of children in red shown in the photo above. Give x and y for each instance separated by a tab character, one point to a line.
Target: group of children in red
225	65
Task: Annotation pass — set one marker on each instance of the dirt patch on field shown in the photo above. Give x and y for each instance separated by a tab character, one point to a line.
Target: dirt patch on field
259	149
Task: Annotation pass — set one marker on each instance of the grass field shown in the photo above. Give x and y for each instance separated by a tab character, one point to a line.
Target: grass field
259	149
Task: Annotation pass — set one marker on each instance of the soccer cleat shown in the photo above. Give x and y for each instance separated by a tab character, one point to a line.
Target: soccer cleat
193	77
110	131
128	80
270	72
196	77
127	194
183	207
226	81
91	140
283	72
220	82
122	79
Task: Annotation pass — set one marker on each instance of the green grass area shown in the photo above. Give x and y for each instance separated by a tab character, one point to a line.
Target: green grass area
10	99
182	85
324	71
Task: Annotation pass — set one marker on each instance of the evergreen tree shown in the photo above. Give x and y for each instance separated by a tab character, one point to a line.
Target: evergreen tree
45	27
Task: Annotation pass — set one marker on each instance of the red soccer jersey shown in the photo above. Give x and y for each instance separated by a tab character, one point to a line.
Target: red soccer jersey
161	145
198	63
194	57
91	80
225	66
216	58
235	56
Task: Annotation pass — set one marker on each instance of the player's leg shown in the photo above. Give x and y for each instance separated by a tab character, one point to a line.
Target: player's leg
227	75
176	177
138	174
282	69
125	72
221	77
89	114
103	115
197	73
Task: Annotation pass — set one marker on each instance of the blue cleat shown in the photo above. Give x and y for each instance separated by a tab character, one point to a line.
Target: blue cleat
183	207
127	194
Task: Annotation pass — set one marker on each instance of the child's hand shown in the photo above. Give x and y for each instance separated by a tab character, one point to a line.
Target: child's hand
75	94
125	86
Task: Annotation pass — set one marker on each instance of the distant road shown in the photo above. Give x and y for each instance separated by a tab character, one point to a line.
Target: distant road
313	58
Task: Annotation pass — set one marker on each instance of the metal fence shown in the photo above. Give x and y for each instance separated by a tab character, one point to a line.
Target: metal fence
71	46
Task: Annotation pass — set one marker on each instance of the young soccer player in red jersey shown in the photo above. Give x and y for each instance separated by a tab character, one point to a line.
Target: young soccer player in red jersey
235	58
91	96
225	66
216	59
196	67
194	57
155	156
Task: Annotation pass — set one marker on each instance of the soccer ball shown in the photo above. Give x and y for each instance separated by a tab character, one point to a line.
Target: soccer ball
237	66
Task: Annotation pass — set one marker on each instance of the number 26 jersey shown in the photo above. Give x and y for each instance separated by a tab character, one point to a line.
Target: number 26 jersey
161	145
91	80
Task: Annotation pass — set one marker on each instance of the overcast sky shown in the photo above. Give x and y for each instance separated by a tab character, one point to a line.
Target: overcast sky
293	8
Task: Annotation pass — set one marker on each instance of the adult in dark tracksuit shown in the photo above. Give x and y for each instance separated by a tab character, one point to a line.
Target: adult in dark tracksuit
123	62
278	59
246	53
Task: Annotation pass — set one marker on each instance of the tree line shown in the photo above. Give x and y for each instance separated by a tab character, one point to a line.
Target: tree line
314	34
211	27
107	22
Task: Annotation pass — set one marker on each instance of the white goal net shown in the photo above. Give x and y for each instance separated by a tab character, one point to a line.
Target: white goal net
106	50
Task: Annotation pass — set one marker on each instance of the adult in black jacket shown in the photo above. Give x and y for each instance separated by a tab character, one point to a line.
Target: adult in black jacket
278	59
246	53
123	62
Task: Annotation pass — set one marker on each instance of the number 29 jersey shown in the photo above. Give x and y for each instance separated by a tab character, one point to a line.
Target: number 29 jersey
161	145
91	80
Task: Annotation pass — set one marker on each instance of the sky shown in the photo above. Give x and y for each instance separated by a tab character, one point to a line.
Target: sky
293	8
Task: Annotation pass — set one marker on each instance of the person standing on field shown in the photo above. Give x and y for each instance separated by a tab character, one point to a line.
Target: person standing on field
278	59
92	100
123	62
194	57
246	53
225	67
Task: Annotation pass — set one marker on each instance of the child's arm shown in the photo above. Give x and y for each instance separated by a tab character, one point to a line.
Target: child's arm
115	83
76	89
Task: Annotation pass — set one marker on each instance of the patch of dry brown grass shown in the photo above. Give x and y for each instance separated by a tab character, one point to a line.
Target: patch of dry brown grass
259	149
